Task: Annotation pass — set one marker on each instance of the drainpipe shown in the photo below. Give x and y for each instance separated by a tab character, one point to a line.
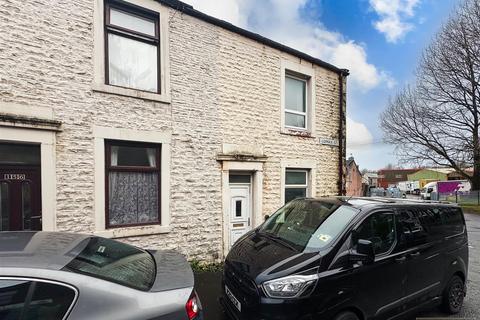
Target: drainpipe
341	138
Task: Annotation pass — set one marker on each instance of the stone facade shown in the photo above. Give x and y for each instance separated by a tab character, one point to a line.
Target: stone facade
224	88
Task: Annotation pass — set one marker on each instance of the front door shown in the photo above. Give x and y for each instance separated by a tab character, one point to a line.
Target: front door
240	209
20	188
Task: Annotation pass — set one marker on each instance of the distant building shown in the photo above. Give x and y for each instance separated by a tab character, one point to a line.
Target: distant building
391	177
370	179
354	179
427	175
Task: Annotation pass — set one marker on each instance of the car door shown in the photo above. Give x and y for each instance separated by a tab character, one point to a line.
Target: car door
380	285
421	242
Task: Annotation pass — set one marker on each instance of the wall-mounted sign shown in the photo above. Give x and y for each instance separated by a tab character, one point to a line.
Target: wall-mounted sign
14	176
329	142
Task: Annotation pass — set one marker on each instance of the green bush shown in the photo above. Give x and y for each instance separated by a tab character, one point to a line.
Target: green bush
200	266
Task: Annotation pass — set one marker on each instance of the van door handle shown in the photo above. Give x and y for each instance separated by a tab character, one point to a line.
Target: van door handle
415	254
401	259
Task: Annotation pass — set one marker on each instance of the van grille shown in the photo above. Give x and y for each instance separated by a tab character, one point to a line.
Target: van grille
242	286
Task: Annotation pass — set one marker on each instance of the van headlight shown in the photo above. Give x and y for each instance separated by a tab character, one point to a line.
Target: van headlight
289	287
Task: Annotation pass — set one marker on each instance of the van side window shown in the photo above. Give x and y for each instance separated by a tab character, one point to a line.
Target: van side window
379	228
431	221
453	221
411	231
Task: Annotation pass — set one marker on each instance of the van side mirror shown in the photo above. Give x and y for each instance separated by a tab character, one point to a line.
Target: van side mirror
364	252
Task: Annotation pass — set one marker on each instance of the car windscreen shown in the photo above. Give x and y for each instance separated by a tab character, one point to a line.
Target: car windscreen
309	225
113	261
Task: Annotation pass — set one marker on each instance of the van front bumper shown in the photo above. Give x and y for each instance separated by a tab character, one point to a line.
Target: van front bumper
291	310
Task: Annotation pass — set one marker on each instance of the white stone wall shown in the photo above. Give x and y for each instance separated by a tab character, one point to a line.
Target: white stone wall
224	89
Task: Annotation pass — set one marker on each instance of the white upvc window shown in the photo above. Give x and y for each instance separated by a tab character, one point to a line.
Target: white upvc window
297	98
296	184
296	102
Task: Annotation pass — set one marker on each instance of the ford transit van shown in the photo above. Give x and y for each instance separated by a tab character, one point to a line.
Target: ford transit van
349	259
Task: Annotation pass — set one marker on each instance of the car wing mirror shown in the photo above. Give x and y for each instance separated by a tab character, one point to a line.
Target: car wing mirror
364	252
266	217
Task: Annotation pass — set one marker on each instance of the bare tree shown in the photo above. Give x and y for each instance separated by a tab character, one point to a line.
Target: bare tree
437	121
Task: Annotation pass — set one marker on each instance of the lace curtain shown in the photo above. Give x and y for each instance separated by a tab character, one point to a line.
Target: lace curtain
133	197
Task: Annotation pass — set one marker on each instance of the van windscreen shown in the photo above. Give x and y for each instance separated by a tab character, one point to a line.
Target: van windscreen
309	225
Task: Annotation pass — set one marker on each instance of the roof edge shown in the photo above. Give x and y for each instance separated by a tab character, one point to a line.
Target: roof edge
188	9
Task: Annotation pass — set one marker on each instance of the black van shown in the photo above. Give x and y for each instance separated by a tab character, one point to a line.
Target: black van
349	259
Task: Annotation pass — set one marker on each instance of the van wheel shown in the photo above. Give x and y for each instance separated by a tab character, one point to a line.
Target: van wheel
453	295
347	315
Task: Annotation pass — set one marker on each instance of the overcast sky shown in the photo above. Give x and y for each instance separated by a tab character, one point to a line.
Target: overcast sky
379	41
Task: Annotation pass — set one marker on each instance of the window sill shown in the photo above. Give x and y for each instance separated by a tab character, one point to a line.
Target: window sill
104	88
132	231
296	132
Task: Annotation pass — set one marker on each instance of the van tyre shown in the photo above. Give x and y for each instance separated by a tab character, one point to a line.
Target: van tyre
453	295
347	315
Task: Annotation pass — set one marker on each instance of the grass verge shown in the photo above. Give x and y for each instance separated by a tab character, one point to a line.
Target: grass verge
470	208
199	266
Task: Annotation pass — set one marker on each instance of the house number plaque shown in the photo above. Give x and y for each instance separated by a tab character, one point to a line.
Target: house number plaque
14	176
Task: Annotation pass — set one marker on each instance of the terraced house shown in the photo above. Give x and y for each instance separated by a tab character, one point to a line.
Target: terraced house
155	123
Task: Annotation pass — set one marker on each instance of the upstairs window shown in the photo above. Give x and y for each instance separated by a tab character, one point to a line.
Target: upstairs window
132	47
295	102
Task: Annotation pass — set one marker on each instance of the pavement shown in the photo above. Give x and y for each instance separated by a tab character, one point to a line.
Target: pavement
208	285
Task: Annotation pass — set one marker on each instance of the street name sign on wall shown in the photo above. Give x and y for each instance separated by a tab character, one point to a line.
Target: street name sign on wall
329	142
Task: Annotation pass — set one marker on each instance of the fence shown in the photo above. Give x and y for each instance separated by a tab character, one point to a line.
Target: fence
465	197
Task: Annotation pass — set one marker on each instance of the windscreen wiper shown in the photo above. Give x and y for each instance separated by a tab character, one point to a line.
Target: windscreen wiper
277	239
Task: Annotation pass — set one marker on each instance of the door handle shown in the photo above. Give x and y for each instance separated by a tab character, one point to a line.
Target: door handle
401	259
415	254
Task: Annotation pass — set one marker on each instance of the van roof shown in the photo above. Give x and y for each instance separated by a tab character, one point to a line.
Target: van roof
359	202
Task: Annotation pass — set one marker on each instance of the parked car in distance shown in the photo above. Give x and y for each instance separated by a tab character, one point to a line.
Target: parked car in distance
349	259
53	275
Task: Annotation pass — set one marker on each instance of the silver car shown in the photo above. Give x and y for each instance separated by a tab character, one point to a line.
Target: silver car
53	275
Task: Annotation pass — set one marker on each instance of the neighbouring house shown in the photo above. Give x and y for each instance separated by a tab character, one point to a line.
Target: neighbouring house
155	123
391	177
353	183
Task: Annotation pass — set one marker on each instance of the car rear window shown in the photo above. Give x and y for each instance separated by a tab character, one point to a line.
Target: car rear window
113	261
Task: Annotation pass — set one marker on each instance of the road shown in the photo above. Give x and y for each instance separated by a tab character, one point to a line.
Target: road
208	284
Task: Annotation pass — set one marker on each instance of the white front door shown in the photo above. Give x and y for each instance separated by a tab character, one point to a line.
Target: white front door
240	211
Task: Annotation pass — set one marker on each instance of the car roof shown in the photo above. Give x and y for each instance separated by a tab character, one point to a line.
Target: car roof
38	249
365	202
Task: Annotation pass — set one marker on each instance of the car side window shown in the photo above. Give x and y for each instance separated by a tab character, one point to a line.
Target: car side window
13	294
49	301
32	300
379	228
